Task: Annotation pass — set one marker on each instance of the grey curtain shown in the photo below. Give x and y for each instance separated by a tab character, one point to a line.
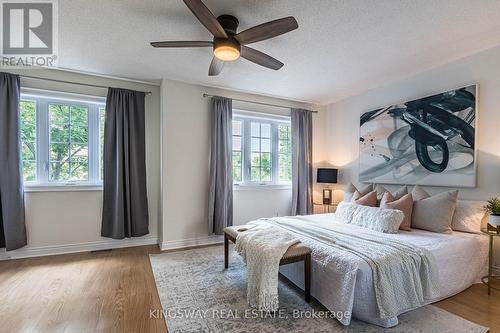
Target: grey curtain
12	224
220	195
125	203
302	169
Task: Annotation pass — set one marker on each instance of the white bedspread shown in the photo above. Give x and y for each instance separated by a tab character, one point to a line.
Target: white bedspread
461	259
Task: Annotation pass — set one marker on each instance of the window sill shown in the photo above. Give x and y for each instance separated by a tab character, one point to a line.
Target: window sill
61	188
261	187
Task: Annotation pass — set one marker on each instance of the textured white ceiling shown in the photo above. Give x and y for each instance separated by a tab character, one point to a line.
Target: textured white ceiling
342	47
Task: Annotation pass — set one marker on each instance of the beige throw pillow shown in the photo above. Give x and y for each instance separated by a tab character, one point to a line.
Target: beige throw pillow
396	195
435	213
418	193
468	216
351	189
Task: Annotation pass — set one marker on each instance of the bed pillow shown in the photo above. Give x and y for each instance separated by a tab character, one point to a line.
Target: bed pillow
468	216
374	218
404	204
435	213
369	199
351	189
396	195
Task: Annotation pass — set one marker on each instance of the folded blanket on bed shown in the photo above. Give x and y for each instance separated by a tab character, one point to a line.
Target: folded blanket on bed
262	248
404	275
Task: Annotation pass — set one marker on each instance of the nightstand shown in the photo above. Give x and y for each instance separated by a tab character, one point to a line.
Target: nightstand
491	232
331	208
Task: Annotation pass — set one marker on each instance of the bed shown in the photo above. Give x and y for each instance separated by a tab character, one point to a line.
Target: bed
461	260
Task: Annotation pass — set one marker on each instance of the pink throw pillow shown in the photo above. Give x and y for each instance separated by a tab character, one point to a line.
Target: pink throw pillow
405	204
369	199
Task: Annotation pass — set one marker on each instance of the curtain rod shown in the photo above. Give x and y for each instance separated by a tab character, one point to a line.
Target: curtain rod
69	82
259	103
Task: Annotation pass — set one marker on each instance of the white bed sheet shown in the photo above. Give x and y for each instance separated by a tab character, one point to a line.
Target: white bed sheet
461	257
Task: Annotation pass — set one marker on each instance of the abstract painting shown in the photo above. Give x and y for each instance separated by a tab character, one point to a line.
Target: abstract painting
428	141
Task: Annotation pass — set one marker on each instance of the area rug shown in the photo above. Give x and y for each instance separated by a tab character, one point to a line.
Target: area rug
198	295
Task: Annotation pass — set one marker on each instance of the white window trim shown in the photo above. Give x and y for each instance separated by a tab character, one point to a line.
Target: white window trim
274	120
43	99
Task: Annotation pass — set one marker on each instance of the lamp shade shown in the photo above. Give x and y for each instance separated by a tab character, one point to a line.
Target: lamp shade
327	175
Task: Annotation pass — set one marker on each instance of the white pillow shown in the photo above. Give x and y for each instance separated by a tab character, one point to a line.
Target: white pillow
468	216
374	218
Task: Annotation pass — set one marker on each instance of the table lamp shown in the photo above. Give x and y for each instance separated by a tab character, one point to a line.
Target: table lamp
327	176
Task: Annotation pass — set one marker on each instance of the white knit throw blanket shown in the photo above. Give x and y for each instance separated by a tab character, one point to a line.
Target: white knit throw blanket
262	248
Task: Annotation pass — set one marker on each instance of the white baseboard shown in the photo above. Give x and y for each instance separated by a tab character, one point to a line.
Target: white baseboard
28	252
183	243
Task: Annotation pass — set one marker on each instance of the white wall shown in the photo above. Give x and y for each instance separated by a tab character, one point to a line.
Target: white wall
482	68
59	222
185	164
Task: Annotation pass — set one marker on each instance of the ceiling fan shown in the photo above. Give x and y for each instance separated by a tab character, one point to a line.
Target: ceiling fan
227	44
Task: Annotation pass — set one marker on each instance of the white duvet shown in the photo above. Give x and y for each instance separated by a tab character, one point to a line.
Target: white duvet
461	259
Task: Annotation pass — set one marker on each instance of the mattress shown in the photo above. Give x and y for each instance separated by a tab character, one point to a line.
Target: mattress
461	259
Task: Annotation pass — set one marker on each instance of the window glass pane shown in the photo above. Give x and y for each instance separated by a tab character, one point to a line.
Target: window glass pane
79	134
266	145
237	151
79	116
285	153
237	143
265	130
265	163
237	167
255	129
236	127
59	171
255	145
68	146
101	142
256	159
59	152
255	174
28	119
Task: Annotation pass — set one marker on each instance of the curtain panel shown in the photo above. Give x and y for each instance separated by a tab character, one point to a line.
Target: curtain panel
12	218
125	202
302	168
220	195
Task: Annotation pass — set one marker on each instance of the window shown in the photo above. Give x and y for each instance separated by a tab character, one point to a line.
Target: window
62	138
261	150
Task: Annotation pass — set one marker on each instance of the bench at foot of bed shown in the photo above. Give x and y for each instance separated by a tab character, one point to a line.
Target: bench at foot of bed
295	253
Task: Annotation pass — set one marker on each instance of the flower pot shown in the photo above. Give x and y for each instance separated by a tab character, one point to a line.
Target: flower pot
494	220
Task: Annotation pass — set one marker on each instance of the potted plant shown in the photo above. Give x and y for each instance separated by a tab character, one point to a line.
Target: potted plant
493	207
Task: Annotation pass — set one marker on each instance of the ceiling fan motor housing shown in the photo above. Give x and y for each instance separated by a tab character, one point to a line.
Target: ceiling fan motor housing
230	25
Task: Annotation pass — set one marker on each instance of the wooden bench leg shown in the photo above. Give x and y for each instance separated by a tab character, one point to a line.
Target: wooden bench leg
307	278
226	251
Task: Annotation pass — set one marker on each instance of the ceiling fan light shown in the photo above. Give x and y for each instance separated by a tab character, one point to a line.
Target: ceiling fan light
226	53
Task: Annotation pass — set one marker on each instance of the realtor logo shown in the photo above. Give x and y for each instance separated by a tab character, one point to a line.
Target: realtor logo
29	33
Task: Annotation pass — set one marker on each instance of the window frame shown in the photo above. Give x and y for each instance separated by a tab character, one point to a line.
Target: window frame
246	117
43	99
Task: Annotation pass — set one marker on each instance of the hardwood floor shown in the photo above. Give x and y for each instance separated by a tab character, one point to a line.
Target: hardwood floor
88	292
115	291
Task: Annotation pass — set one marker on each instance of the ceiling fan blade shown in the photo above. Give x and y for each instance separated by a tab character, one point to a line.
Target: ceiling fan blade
182	44
215	67
260	58
267	30
205	16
